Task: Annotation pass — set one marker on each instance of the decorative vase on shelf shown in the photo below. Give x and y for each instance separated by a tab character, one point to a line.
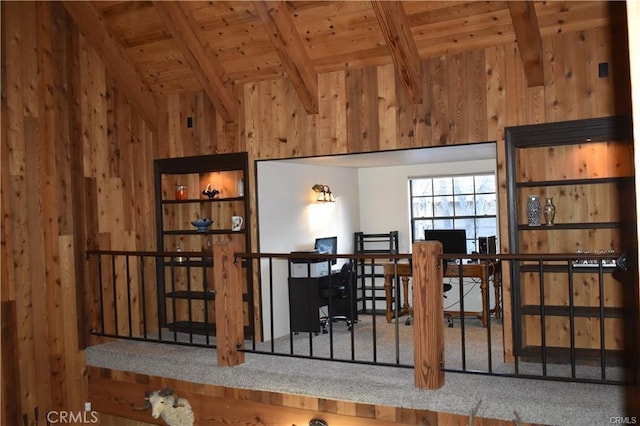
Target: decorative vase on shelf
534	208
549	211
240	188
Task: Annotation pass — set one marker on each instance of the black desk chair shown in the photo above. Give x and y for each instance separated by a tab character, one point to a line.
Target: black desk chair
445	289
337	294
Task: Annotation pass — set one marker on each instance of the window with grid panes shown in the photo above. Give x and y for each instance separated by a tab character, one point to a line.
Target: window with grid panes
466	202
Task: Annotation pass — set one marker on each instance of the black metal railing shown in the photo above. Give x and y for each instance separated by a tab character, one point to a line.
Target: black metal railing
133	301
300	322
572	317
554	332
570	321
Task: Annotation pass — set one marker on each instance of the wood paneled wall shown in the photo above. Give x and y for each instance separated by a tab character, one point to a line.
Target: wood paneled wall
77	159
115	393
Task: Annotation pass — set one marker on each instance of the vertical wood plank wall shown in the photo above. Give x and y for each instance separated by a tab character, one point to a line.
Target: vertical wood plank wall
77	159
118	391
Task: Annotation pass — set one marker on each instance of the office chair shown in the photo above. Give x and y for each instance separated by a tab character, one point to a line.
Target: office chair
339	289
445	289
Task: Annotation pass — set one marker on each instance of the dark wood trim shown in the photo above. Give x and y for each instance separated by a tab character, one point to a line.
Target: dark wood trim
569	132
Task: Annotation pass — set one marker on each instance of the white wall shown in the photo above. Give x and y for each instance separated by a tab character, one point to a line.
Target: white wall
289	220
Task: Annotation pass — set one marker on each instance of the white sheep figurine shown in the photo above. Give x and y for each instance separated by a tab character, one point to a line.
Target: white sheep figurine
165	403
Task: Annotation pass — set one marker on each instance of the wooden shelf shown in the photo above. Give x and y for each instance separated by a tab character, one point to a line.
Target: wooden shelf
193	263
196	232
560	355
229	173
565	268
578	311
197	327
584	165
197	295
194	295
576	225
566	182
202	200
193	327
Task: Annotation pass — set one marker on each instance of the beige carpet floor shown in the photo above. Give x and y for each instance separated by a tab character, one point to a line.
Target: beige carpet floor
532	401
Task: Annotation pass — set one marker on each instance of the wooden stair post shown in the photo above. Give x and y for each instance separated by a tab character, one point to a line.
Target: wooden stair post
428	315
227	282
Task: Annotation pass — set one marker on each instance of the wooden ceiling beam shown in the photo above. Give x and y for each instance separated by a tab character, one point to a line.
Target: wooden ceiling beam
397	33
527	30
124	71
285	38
203	63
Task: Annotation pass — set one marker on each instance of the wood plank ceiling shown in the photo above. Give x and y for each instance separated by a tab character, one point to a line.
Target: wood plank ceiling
156	48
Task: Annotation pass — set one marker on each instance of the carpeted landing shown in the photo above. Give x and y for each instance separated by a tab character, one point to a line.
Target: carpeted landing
531	401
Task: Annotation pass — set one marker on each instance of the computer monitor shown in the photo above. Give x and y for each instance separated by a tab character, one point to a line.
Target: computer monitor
327	245
453	240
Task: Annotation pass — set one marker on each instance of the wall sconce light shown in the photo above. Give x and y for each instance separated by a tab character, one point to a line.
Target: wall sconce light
324	193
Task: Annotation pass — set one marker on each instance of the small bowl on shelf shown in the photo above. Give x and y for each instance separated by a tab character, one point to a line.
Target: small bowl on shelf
202	224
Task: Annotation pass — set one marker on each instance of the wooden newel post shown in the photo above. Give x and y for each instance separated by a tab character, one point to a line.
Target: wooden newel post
227	282
428	315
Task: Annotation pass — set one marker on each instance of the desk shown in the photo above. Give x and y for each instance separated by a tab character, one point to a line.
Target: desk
482	270
304	304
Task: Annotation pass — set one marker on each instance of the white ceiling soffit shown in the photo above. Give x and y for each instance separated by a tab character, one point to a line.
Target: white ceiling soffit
404	157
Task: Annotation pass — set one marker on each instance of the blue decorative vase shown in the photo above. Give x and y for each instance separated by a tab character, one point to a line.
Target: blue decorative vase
534	209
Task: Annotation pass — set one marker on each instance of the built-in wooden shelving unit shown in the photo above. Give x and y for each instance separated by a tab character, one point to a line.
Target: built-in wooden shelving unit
186	290
586	166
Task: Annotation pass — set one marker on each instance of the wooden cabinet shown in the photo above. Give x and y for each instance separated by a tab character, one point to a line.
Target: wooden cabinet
185	283
586	166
